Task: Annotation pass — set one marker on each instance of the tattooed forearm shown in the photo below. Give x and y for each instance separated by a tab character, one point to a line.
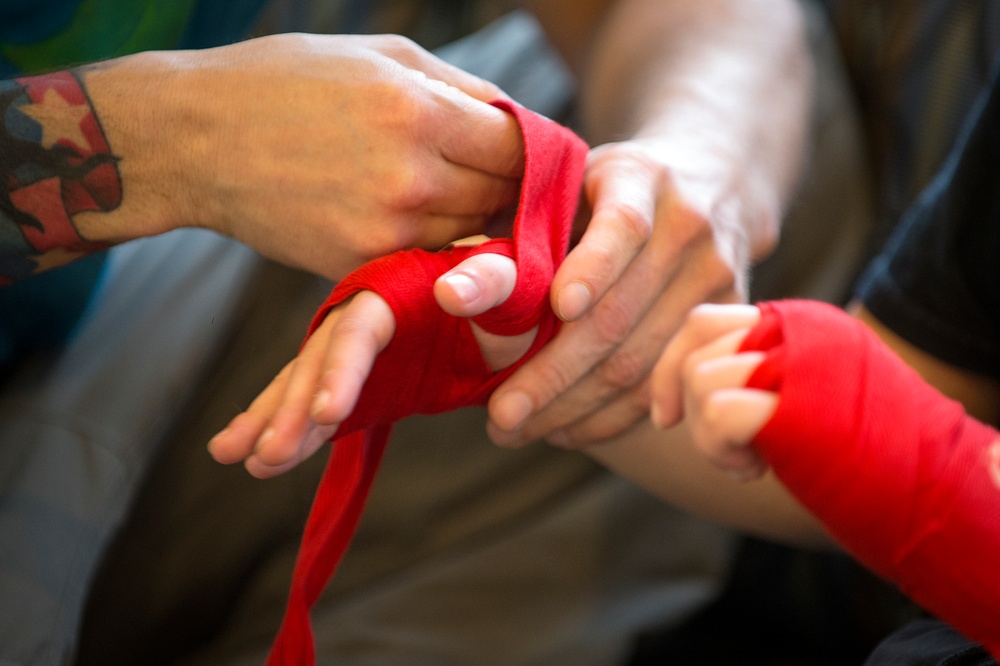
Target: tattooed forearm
55	162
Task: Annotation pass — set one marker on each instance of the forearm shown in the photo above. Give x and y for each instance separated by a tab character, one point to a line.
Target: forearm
319	151
728	80
666	464
153	117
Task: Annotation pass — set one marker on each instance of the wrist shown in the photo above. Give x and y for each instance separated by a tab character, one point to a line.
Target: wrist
722	87
139	105
716	174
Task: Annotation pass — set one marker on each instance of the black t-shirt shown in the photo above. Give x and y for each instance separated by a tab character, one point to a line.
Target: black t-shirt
937	282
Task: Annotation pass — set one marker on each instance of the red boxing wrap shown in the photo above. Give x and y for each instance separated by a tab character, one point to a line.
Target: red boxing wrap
433	363
899	474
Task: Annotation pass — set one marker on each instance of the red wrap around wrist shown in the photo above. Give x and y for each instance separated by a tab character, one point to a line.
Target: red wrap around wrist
898	473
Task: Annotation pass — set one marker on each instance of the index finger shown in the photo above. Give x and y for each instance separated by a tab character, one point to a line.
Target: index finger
478	135
623	196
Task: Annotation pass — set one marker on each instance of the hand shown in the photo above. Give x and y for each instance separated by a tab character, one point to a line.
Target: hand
302	407
668	231
319	151
702	377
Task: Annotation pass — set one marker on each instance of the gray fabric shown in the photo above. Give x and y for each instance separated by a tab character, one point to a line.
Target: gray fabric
77	428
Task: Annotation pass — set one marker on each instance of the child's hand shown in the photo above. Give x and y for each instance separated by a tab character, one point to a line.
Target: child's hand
305	403
701	376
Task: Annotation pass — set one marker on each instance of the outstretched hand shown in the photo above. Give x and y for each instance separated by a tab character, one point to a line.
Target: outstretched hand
305	403
702	378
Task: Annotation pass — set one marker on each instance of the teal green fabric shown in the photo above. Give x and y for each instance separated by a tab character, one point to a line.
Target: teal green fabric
38	35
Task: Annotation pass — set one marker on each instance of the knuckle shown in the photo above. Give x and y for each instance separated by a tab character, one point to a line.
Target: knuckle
400	108
619	155
356	324
396	46
612	323
635	224
548	380
687	225
406	187
623	370
282	43
601	261
352	326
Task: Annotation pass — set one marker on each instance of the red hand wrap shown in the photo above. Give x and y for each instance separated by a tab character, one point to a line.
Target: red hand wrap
433	363
899	474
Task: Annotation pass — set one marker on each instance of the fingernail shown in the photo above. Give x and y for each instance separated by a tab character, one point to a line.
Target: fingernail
320	403
511	410
573	301
464	286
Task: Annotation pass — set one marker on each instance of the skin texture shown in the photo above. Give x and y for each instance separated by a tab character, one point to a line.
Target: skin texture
701	378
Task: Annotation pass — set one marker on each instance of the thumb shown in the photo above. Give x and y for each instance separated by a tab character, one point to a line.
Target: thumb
481	282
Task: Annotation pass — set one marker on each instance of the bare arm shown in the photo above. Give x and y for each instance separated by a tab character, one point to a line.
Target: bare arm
668	465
